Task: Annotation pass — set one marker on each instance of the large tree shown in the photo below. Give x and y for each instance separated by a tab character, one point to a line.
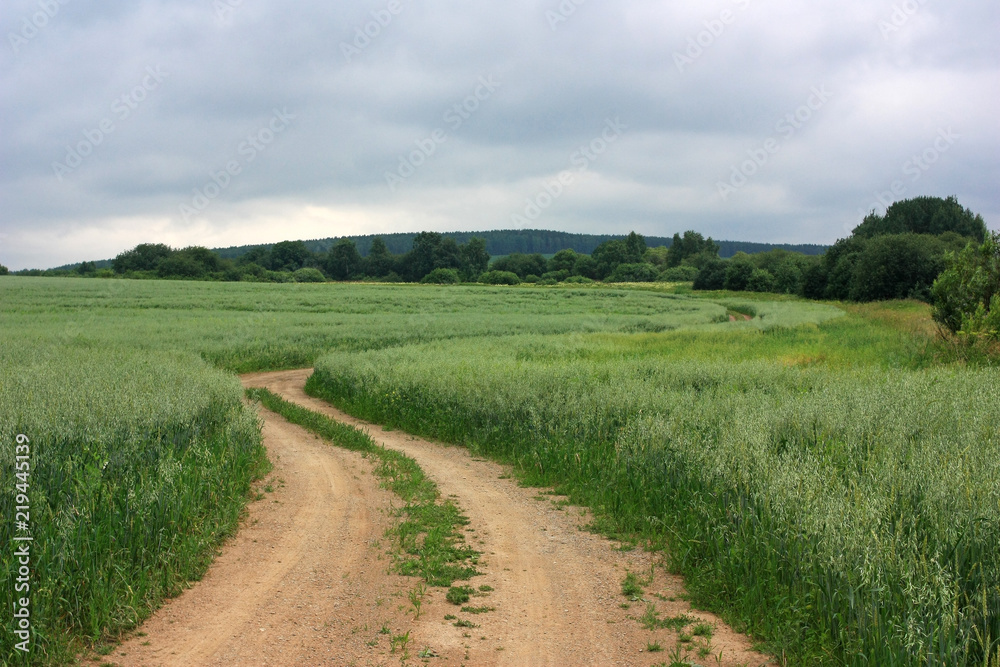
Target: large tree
143	257
611	254
379	262
343	261
190	262
475	259
923	215
289	256
689	245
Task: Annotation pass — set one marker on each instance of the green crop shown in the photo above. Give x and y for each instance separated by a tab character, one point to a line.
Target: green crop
853	510
140	466
828	482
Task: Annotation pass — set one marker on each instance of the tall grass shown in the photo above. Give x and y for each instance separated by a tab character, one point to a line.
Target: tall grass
140	465
724	438
848	513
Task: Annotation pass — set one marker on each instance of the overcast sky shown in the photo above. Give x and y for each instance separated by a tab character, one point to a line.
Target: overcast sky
228	122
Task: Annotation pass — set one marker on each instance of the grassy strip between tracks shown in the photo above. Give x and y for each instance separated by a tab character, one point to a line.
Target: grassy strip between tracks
428	537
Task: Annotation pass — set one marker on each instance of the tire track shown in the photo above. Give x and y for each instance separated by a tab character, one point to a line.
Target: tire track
557	590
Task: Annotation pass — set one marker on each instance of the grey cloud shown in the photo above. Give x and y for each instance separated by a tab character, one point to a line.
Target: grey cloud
359	113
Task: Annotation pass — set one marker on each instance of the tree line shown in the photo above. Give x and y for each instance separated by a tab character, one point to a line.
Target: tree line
896	255
293	261
524	241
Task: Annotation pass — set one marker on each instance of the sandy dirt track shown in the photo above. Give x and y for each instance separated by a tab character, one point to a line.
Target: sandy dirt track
307	580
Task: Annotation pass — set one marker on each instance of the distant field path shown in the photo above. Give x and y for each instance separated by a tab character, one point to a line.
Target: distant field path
306	581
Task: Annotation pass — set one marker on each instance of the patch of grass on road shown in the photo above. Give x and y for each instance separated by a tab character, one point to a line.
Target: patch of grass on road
429	535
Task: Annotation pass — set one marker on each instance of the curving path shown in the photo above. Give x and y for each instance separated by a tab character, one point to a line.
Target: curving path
307	580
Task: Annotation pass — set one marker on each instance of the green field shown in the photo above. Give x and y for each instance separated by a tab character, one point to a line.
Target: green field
829	481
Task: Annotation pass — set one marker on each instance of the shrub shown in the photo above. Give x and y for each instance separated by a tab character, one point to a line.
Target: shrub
522	265
585	266
967	293
760	280
557	276
897	266
738	272
309	275
277	277
578	280
442	277
499	278
639	272
679	274
711	276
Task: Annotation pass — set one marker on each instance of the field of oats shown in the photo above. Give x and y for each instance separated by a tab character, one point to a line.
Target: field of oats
827	480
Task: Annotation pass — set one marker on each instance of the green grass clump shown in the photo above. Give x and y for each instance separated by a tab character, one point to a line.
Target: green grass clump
478	610
651	620
631	588
459	594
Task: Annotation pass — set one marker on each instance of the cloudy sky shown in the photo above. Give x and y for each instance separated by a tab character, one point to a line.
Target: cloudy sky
225	122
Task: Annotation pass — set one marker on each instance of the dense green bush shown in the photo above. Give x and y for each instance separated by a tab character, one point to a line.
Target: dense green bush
760	280
309	275
679	274
896	266
712	276
558	276
521	265
499	278
738	272
967	293
442	277
640	272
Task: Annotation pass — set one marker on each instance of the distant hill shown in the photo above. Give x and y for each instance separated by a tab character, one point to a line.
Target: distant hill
507	241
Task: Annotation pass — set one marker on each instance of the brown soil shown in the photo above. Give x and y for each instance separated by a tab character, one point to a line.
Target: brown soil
308	578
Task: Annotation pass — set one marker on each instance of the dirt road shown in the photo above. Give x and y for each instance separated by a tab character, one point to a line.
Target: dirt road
307	580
